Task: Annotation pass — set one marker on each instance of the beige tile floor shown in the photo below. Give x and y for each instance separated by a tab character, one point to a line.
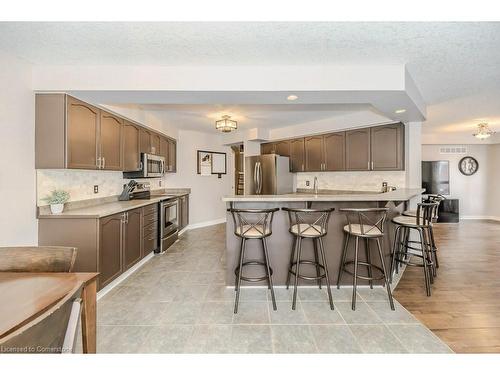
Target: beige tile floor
178	303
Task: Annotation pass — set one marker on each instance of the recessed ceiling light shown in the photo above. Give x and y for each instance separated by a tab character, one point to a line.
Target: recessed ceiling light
292	97
400	110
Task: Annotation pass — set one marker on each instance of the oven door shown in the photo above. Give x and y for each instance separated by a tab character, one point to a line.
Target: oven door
169	218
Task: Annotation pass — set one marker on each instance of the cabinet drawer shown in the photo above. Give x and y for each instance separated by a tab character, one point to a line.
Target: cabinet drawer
150	230
152	208
151	218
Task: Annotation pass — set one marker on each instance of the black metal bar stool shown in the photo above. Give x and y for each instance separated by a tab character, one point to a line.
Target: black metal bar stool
435	215
404	249
313	224
253	224
367	224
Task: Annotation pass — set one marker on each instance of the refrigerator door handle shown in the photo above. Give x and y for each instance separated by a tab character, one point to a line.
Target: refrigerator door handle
255	177
259	177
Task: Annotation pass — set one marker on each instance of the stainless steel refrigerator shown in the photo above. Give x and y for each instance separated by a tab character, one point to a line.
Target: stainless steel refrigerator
268	175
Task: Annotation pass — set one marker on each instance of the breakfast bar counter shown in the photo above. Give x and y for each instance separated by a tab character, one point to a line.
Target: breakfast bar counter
280	242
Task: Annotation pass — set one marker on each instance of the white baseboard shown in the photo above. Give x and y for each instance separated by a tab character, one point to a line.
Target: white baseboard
108	288
494	218
205	224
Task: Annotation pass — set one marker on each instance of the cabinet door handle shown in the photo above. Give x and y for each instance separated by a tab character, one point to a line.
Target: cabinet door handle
103	162
98	163
372	165
368	165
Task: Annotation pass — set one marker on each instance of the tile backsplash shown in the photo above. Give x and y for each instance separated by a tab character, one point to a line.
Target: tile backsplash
363	181
80	183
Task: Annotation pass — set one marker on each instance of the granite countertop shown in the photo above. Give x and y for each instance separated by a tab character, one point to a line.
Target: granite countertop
99	210
338	196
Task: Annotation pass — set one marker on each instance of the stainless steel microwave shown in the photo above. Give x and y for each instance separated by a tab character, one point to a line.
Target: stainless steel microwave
150	166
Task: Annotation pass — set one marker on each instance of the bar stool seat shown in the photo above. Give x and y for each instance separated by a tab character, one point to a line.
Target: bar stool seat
409	221
253	231
306	230
366	231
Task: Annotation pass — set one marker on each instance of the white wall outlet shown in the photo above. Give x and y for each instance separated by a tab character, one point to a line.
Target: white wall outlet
307	182
96	189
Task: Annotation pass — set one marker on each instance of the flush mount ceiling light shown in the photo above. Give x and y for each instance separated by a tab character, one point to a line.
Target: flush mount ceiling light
402	110
225	124
483	131
292	97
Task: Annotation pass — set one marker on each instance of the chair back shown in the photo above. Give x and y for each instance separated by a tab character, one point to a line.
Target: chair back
426	212
369	220
37	259
253	223
308	222
54	331
431	198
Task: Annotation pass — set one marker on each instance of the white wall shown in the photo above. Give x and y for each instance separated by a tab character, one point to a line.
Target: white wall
18	224
493	194
205	203
472	191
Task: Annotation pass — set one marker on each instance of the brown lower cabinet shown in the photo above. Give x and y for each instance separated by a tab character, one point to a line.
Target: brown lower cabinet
110	248
109	245
132	243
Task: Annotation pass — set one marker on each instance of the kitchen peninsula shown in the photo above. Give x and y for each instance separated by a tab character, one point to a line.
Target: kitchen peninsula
280	242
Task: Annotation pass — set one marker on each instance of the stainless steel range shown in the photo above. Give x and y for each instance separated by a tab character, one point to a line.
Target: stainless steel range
169	224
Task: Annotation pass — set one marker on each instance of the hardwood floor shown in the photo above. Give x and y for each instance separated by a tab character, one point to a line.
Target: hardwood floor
464	309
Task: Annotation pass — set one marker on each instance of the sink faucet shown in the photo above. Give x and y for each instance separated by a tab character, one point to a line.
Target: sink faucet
315	185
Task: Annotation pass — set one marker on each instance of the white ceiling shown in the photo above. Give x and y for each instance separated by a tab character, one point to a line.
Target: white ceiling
454	65
202	117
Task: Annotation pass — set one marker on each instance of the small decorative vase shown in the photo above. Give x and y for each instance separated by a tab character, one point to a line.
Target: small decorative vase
57	208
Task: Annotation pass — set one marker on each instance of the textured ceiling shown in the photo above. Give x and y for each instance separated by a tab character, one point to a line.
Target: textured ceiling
447	61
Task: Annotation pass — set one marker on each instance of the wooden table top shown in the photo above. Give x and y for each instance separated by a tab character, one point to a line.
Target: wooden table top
24	295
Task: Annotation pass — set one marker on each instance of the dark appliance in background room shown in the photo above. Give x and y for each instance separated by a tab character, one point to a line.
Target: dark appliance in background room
169	223
436	180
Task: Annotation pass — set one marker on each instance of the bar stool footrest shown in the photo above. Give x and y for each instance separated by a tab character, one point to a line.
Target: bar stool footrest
303	277
381	277
253	263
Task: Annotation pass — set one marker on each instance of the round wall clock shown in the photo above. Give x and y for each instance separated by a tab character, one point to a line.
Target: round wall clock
468	166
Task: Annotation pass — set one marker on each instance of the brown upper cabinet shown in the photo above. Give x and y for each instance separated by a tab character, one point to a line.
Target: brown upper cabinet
267	148
111	142
387	147
334	157
297	155
172	156
282	148
357	147
131	150
82	140
314	151
155	144
379	148
145	141
325	152
70	133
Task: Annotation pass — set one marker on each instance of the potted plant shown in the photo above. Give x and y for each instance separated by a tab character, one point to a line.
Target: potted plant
56	199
